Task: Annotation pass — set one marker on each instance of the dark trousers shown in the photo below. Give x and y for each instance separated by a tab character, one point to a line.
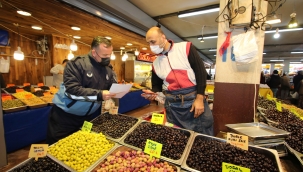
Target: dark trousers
62	124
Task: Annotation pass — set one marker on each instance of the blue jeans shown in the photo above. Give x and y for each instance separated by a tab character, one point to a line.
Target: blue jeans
274	91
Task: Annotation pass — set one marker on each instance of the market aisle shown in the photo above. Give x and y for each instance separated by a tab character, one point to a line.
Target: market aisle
18	156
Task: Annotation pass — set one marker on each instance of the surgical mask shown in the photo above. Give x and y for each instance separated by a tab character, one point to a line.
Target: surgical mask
156	48
105	62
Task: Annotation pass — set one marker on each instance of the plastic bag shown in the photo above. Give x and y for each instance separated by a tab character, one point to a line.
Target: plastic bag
245	48
295	95
4	65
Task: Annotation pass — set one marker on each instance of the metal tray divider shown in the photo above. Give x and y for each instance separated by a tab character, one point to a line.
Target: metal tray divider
112	150
119	139
179	161
297	154
186	167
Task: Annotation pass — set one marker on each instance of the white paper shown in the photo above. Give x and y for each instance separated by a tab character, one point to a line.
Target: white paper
120	89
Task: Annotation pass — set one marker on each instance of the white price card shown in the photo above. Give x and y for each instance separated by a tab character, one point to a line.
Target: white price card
120	89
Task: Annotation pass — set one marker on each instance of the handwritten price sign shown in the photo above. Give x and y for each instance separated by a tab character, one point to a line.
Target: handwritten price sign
226	167
237	140
87	126
38	150
153	148
157	118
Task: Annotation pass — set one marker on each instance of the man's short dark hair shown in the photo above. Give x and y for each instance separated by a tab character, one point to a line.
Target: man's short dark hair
64	61
276	72
98	40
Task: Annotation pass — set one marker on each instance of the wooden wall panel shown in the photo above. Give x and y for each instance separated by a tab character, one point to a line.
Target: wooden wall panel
26	70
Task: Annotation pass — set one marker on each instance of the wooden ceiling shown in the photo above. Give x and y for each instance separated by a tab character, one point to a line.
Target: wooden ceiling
56	18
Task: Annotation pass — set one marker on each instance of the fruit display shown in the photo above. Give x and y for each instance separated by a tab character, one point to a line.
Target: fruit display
48	98
33	101
23	95
113	125
81	149
289	122
11	89
208	155
39	93
265	103
8	104
174	140
131	161
42	164
27	88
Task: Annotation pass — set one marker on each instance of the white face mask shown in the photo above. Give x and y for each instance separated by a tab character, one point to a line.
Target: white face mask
156	48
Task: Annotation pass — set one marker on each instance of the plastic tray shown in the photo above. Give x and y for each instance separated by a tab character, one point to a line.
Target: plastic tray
179	161
14	109
119	139
32	159
122	148
272	154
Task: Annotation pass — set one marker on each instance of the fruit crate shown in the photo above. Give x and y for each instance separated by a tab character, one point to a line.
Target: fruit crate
271	154
188	133
122	148
120	138
297	154
32	159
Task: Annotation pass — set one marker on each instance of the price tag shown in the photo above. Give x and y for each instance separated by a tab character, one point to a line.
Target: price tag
28	96
240	141
52	88
153	148
10	85
87	126
157	118
4	98
38	150
210	90
26	84
47	93
40	84
226	167
279	106
19	90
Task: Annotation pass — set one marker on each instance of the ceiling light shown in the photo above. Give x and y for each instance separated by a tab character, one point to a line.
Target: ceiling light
215	55
122	48
205	11
297	52
77	37
18	55
295	62
273	20
37	27
264	53
107	37
24	13
129	44
277	35
293	22
284	30
144	48
73	46
112	56
213	50
276	60
136	52
202	40
75	28
70	55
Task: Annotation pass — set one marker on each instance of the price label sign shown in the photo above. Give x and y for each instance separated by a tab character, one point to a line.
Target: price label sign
19	90
153	148
4	98
210	90
227	167
28	96
38	150
26	84
157	118
40	84
47	93
279	106
10	85
237	140
87	126
52	88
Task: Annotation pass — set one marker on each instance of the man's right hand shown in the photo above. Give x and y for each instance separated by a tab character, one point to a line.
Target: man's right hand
106	95
149	95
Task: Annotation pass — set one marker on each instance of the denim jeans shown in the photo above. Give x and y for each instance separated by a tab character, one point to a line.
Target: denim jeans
284	94
274	91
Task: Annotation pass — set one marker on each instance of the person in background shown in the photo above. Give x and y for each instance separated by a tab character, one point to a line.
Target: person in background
285	87
2	82
57	72
274	82
180	70
297	79
262	79
86	81
300	91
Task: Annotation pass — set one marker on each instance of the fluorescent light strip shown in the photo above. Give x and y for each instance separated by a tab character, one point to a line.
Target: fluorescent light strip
213	50
264	53
273	21
283	30
276	60
296	52
295	62
198	12
208	37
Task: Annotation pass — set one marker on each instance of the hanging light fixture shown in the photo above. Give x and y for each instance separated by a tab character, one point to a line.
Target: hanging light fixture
18	55
70	55
136	52
277	35
273	19
293	22
112	56
73	46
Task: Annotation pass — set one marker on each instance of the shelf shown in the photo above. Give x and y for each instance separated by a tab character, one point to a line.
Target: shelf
1	46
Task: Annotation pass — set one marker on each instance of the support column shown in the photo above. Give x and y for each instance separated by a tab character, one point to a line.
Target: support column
236	86
272	68
286	67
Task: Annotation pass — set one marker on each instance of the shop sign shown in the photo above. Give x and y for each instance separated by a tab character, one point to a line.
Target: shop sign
146	57
237	140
